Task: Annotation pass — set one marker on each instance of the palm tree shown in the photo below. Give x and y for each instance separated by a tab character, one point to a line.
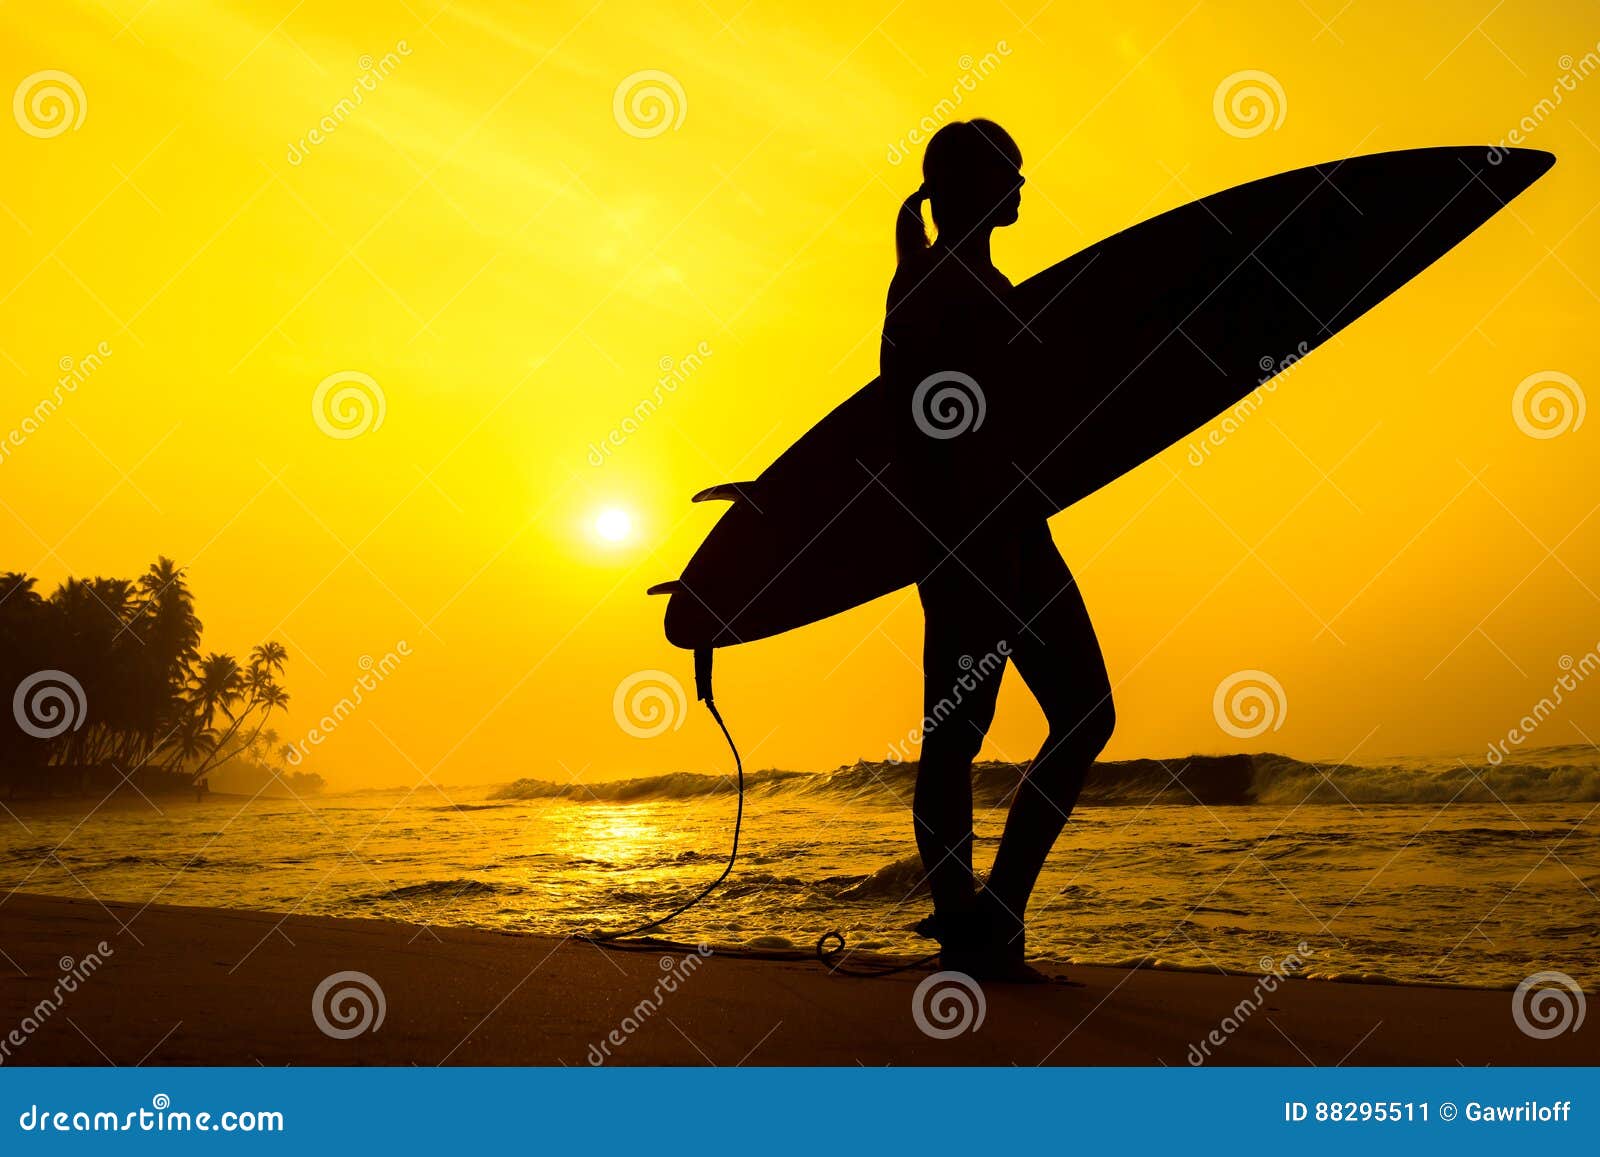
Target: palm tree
216	685
266	743
258	691
266	698
268	657
134	648
170	631
26	635
91	643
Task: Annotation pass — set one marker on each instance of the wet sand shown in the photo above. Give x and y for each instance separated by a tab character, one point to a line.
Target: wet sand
188	986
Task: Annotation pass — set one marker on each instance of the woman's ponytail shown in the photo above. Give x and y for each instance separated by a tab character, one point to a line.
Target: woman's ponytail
910	235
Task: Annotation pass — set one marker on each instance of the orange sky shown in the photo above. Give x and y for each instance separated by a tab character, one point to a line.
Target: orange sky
482	238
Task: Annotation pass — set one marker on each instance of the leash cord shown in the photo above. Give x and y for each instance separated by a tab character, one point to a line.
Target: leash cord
832	958
609	939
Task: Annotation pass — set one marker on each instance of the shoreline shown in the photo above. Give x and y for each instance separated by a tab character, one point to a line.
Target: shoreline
788	952
188	986
555	869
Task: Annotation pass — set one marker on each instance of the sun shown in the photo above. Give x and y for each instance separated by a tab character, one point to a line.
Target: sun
613	525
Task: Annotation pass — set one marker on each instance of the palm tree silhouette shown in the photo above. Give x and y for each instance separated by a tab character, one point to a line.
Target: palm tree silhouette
152	703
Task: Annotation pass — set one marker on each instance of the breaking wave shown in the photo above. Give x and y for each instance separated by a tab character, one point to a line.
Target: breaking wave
1543	775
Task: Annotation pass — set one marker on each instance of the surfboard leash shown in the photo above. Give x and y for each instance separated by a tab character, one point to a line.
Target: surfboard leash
830	949
703	691
833	957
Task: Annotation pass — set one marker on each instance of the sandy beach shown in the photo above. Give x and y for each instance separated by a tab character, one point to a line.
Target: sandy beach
210	986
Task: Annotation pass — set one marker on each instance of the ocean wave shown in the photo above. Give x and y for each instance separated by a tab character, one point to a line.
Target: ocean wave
31	852
449	889
1568	774
676	785
1542	778
896	880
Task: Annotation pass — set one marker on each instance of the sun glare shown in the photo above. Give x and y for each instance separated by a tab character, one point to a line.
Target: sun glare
613	525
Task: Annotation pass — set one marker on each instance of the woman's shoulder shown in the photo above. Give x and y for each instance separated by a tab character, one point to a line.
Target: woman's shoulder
937	281
908	276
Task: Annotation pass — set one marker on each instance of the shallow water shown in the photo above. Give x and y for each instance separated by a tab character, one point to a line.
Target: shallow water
1466	892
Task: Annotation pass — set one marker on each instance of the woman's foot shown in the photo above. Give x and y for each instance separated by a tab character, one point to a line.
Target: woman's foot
992	968
985	942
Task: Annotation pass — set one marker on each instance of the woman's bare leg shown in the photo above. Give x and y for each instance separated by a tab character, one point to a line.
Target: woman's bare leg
957	711
1059	658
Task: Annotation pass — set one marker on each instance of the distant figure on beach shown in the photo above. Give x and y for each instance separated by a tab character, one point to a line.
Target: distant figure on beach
994	586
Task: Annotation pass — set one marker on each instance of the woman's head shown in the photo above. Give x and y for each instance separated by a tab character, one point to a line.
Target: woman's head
972	179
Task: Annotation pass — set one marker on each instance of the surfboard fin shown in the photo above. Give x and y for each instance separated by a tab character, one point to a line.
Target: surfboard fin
671	587
725	492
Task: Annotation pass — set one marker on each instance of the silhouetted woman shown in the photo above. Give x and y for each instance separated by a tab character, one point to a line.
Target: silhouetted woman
994	586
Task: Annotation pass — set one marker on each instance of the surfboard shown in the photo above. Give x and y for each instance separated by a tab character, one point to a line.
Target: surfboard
1121	350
